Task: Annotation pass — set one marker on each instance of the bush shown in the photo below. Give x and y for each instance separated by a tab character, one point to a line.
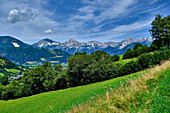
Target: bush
114	58
129	67
61	81
146	60
136	52
1	88
149	59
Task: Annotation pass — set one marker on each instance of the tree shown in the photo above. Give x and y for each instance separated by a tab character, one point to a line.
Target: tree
47	64
4	80
58	67
137	45
160	30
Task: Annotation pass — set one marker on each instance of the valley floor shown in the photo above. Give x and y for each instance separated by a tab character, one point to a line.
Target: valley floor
145	91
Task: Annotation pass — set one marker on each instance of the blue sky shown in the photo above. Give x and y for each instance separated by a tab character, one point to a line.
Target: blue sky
82	20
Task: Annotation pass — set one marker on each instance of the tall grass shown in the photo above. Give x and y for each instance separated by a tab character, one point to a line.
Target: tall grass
148	92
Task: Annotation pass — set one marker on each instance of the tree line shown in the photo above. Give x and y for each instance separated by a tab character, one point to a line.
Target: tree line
82	69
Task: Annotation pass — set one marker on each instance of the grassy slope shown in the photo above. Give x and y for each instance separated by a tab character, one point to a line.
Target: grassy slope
1	74
13	70
60	100
147	93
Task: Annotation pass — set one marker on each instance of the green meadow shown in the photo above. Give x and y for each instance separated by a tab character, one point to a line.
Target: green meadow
146	93
61	100
13	70
1	74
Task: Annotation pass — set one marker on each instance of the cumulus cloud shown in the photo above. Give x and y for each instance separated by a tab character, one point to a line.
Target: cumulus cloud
47	31
20	15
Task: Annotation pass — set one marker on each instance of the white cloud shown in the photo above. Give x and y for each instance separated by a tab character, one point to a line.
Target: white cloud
20	15
98	19
117	9
48	31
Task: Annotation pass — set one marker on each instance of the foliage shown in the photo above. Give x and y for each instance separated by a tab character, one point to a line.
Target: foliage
137	45
5	63
82	69
129	67
136	51
25	55
140	94
160	30
61	100
114	58
64	100
150	59
4	80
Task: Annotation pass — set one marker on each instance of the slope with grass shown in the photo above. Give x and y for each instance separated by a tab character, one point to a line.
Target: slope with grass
148	92
63	100
8	68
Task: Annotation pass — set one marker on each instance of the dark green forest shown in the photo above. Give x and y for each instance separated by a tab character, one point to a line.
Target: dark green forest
22	55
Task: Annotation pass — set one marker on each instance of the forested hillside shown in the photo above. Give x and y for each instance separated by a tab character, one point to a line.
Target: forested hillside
36	56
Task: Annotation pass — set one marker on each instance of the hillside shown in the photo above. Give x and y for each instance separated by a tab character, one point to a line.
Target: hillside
24	54
6	66
146	93
8	41
34	56
66	99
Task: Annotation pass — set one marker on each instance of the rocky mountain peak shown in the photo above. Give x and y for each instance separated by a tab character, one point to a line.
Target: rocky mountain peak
71	46
72	42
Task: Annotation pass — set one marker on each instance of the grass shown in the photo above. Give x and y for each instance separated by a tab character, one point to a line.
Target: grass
13	70
61	100
146	93
121	57
64	100
1	74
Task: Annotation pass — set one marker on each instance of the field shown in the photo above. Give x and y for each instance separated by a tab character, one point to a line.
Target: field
1	74
62	100
13	70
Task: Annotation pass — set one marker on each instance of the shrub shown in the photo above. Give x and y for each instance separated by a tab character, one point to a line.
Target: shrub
114	58
61	81
149	59
136	52
1	88
129	67
146	60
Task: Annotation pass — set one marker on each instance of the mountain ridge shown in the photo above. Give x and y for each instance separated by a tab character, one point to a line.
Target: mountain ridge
71	46
8	41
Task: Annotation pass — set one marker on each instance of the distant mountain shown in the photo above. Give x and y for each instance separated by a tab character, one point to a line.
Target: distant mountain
34	56
22	53
46	42
117	50
8	41
71	46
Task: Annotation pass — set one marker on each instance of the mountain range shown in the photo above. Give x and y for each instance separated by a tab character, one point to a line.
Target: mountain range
57	52
24	54
72	46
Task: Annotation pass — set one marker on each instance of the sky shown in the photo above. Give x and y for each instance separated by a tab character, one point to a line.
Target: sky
81	20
